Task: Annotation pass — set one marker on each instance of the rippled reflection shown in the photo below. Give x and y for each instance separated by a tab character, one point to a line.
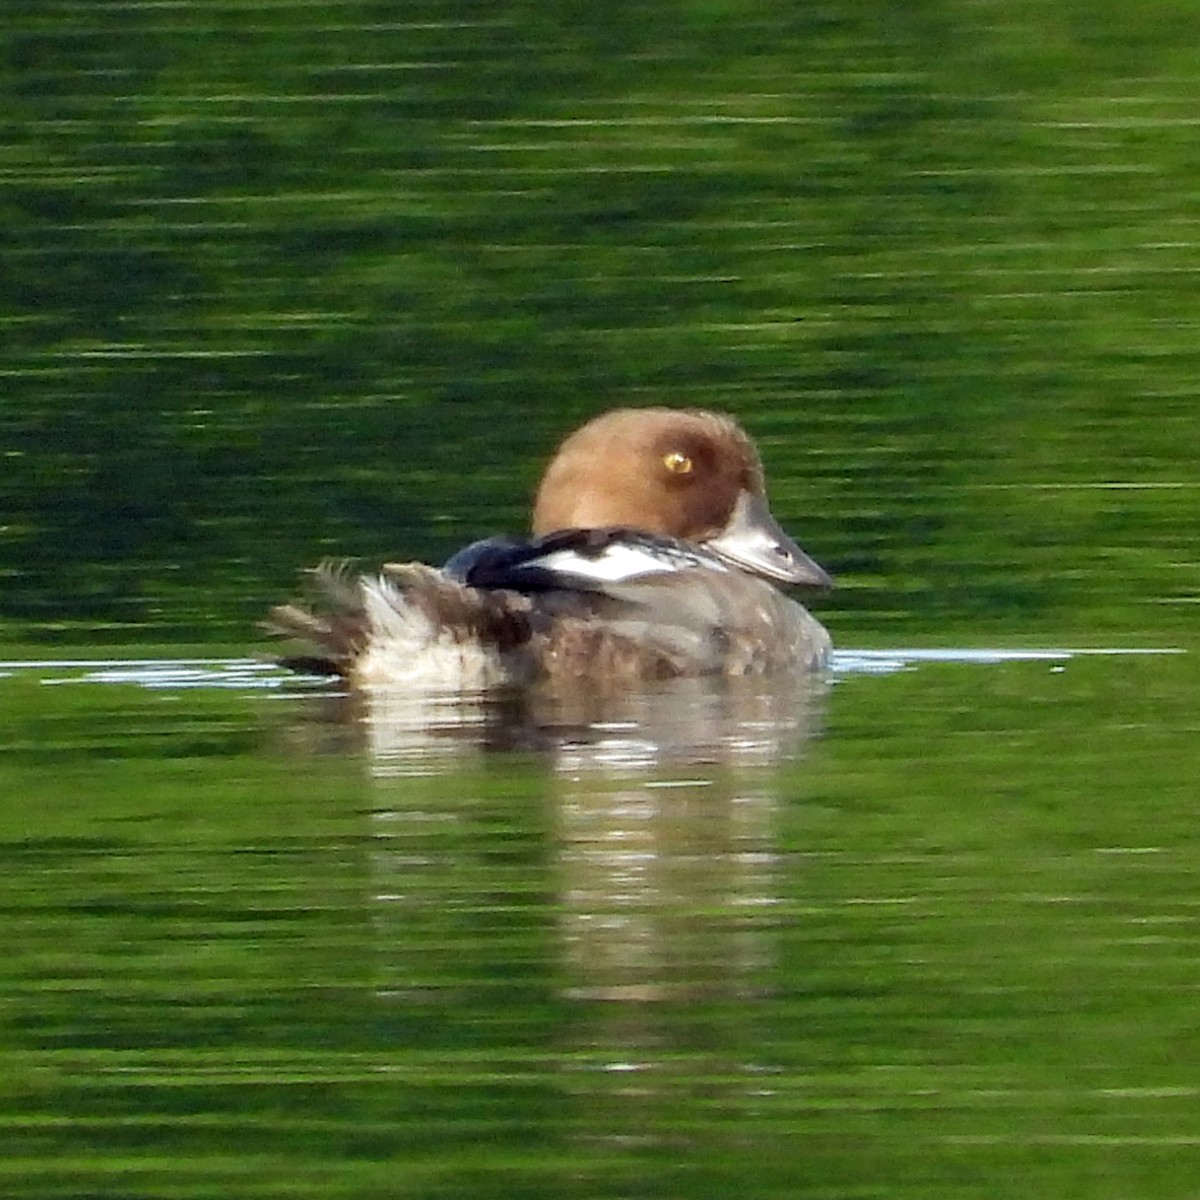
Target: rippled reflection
658	811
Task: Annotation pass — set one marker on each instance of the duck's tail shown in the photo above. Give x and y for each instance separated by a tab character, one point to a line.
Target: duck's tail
407	625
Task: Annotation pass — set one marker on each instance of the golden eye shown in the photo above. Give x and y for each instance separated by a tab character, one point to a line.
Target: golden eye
678	463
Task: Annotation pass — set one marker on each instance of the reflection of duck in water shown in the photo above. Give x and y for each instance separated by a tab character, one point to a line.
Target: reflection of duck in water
654	556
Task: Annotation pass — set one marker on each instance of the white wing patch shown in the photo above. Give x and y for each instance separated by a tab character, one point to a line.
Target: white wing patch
619	562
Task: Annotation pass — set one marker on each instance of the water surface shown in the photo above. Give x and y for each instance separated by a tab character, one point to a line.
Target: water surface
928	931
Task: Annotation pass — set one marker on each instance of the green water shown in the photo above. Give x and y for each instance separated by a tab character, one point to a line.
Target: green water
931	933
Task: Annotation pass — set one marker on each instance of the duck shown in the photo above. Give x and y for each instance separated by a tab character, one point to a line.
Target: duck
652	555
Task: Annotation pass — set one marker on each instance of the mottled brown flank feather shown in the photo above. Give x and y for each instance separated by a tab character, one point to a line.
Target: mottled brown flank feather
497	618
576	651
339	628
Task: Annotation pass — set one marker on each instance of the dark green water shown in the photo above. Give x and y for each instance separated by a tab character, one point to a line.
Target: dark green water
932	933
284	279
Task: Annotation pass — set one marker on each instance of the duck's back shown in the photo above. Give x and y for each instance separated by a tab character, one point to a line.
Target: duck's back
583	607
617	603
698	622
